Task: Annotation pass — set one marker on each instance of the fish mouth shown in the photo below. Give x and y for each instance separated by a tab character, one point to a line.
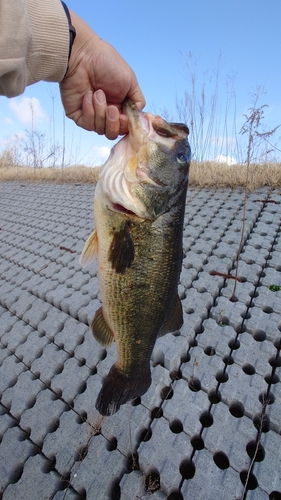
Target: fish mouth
138	125
120	208
143	126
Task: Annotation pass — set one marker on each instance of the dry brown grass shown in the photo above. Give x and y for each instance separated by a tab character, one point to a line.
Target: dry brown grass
74	174
202	174
212	174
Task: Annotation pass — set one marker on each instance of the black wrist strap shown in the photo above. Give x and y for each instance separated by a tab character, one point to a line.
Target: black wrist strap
72	30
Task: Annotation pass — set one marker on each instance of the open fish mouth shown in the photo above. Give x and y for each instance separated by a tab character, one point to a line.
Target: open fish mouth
120	208
146	126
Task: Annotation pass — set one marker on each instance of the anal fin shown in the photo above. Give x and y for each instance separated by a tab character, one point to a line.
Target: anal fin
100	329
175	319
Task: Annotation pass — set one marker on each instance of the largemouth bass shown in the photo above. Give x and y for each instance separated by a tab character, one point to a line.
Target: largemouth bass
139	211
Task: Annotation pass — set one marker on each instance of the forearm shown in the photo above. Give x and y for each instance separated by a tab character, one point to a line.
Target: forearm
34	43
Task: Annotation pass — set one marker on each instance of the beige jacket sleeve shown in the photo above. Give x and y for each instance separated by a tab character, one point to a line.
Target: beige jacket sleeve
34	43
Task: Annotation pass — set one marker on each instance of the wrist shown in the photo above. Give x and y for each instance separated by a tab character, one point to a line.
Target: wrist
85	43
72	30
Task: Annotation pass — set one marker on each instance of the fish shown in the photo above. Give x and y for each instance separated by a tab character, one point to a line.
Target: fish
139	207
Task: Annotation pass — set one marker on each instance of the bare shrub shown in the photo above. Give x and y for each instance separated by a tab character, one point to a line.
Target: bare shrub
10	157
209	108
257	141
259	147
6	159
37	152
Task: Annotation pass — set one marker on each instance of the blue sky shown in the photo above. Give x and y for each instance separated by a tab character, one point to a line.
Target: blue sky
156	39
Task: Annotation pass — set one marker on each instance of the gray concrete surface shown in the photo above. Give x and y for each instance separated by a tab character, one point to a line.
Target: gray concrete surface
196	433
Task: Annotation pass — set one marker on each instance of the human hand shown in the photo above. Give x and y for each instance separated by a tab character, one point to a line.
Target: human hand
96	84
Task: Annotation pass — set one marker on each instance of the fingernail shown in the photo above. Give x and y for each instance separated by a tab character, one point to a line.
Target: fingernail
112	112
100	97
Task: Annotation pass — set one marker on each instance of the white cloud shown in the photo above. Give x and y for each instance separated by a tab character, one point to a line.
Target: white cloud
28	110
100	154
230	160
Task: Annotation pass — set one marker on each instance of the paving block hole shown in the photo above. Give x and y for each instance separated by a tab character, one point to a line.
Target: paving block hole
176	426
221	460
248	479
152	481
262	421
275	495
175	495
187	469
214	396
206	419
255	450
236	409
194	384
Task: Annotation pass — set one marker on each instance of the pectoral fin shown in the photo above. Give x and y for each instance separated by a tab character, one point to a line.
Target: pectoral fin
175	320
90	250
122	252
100	329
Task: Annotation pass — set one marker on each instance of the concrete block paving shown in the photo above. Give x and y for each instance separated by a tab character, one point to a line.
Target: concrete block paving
209	426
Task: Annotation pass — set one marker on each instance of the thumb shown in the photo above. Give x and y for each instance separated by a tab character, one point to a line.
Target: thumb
137	96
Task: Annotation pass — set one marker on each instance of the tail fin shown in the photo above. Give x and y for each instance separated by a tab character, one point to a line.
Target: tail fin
118	389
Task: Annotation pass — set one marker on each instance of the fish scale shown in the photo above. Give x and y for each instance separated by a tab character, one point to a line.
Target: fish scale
140	298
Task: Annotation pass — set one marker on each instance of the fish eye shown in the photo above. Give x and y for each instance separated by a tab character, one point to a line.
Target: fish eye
182	159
